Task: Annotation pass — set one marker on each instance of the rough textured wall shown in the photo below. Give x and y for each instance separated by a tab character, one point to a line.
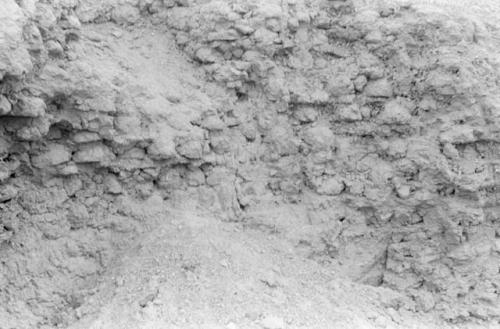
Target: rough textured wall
386	122
383	124
76	126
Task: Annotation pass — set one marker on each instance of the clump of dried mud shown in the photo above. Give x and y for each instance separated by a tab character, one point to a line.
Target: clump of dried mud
366	139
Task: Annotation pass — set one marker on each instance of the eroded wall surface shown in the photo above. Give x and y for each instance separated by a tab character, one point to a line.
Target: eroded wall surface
383	124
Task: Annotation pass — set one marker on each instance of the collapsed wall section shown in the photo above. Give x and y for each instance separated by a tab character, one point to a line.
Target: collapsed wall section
383	123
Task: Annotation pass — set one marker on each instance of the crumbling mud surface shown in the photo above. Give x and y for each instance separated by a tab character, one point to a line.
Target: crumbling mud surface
237	164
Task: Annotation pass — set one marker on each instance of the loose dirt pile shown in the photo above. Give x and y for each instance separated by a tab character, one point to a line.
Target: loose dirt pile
236	164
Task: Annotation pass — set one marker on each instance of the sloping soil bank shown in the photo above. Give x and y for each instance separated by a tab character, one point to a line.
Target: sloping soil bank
226	164
195	271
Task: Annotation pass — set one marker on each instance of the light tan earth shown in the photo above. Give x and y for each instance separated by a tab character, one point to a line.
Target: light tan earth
188	259
193	271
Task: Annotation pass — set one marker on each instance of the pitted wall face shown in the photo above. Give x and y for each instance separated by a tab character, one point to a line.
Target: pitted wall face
386	121
384	124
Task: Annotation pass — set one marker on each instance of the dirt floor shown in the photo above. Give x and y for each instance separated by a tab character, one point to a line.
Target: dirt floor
158	171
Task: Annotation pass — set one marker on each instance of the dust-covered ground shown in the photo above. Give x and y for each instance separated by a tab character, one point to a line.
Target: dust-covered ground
236	164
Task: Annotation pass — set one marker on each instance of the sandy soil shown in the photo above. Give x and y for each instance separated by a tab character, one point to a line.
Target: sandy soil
194	271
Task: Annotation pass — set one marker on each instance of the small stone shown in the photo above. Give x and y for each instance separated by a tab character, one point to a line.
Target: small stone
273	24
441	83
205	56
271	279
162	148
337	51
54	49
350	113
135	158
306	114
379	88
4	172
322	21
117	34
68	170
480	313
125	14
35	131
95	36
173	98
72	185
195	178
319	96
78	215
461	134
264	37
293	24
54	155
28	5
5	105
240	9
7	192
395	112
45	16
319	137
374	73
374	37
112	186
340	85
191	149
231	325
386	11
329	186
450	151
86	137
93	153
244	29
213	123
5	235
221	143
249	131
304	17
148	299
218	176
366	112
231	121
272	322
428	104
181	3
119	281
425	301
360	83
28	106
182	38
269	10
403	191
223	35
355	187
4	147
73	22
